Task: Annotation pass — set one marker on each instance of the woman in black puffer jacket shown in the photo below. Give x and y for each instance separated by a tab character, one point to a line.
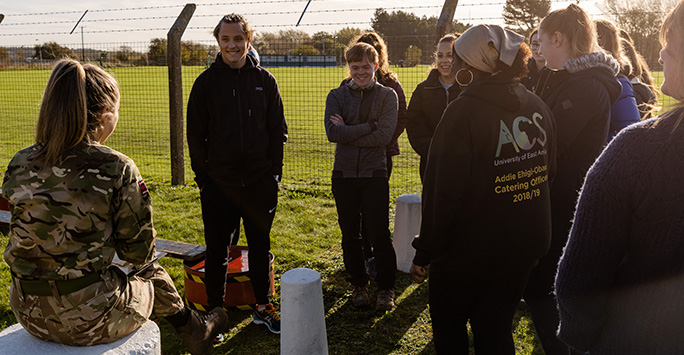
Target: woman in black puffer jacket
430	99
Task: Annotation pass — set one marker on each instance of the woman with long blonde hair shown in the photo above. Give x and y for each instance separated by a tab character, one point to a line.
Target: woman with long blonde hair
76	203
624	111
645	93
579	86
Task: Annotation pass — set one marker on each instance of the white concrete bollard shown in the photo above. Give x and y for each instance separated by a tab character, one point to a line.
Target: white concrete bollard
406	228
302	316
146	340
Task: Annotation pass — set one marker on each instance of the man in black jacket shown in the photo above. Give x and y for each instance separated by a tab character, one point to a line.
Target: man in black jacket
236	132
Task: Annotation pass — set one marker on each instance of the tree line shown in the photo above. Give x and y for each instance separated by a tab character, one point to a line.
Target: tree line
640	18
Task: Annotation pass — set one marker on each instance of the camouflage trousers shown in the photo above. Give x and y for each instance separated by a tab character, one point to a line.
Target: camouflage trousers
102	312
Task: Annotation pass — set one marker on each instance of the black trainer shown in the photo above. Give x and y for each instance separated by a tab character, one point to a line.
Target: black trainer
268	316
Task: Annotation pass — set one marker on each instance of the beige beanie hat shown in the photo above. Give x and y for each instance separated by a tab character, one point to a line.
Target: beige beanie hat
480	46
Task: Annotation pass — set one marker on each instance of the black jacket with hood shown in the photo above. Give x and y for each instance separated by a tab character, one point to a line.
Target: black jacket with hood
580	97
486	211
427	105
236	126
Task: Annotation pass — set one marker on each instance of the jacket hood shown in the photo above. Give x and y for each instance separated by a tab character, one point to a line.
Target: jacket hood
597	67
499	90
250	63
601	67
593	60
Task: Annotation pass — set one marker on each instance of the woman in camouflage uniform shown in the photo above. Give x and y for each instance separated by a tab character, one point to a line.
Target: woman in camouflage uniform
75	203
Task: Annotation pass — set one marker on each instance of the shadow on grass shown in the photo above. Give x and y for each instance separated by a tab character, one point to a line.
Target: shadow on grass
7	317
241	333
353	330
429	349
350	330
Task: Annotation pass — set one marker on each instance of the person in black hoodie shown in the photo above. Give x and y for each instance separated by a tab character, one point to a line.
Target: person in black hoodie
579	85
236	132
429	100
486	211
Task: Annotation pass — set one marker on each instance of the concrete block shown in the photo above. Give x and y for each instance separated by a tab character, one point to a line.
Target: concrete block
144	341
406	228
302	317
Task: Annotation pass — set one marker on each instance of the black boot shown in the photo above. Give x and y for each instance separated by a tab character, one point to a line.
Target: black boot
199	332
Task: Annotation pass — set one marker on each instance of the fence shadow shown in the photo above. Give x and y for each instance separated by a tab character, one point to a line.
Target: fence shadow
353	330
350	330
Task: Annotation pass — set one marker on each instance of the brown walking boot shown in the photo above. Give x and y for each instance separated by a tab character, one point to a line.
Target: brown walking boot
385	300
199	332
360	297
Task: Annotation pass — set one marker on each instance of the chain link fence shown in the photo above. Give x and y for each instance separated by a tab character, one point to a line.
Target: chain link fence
306	71
305	76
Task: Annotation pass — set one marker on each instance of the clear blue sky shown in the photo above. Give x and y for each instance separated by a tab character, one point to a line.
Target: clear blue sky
29	22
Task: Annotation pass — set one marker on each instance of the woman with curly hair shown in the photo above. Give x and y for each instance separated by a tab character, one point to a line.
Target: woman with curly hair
429	100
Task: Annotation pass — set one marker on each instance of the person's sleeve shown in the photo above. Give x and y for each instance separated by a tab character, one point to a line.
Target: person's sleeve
277	127
386	123
446	180
624	111
134	233
597	244
551	150
401	114
417	129
343	134
572	112
197	128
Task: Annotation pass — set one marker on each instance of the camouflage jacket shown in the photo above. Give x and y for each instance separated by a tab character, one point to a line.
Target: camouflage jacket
69	219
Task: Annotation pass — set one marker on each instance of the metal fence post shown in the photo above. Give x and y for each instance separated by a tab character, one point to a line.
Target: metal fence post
446	17
175	65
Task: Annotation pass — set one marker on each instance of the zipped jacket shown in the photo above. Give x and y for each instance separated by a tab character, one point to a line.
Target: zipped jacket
427	105
362	140
236	125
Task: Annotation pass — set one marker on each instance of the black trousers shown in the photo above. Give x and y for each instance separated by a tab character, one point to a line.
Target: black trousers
367	249
365	200
222	208
539	296
539	293
490	307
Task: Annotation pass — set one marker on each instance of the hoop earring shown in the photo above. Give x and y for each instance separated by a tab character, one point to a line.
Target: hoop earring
472	76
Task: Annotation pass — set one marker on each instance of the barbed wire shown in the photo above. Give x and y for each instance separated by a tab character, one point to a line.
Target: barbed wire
96	10
151	8
346	23
297	12
259	2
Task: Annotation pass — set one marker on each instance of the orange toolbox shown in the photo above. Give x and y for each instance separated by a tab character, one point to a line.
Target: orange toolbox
239	291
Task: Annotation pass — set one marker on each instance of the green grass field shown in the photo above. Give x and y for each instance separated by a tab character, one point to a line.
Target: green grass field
305	231
143	130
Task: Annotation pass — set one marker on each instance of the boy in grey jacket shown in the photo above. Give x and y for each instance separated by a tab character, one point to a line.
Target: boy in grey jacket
360	117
